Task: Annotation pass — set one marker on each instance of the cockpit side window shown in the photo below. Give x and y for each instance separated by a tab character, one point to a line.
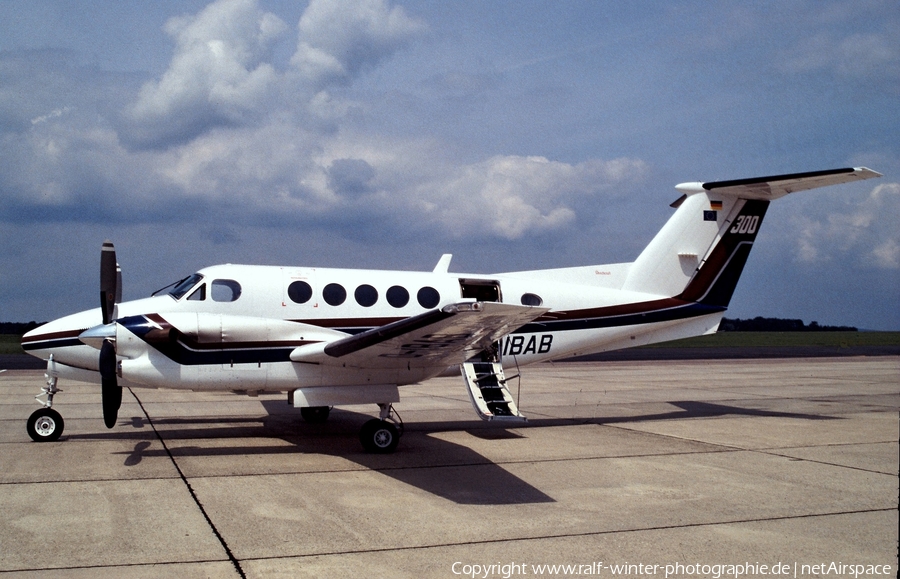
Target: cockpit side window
225	290
199	294
179	290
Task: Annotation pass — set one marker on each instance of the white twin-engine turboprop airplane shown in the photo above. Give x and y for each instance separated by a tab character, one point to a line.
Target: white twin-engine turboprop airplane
331	337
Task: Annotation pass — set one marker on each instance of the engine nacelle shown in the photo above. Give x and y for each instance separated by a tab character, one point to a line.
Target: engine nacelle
208	351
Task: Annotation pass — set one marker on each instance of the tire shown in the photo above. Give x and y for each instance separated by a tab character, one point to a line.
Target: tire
45	425
315	414
379	436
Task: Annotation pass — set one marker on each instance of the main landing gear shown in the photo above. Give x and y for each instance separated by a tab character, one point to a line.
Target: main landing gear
315	414
379	435
46	424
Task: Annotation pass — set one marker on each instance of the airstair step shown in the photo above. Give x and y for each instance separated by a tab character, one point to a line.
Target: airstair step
486	384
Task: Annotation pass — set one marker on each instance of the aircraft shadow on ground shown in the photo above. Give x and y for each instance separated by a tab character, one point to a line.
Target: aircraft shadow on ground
696	409
442	468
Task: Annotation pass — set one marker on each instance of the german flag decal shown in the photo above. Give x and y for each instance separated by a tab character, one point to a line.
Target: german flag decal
715	205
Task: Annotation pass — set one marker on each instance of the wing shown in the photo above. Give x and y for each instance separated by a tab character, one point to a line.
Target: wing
780	185
438	338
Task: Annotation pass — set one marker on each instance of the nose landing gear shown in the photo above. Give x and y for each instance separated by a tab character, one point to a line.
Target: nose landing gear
46	424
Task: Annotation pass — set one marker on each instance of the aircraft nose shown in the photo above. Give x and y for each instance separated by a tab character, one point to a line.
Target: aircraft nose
33	335
94	337
33	332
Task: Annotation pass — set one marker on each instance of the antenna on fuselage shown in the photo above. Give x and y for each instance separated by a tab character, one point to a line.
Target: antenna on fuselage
443	264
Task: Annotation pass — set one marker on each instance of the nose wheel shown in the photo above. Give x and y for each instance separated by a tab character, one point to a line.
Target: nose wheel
45	425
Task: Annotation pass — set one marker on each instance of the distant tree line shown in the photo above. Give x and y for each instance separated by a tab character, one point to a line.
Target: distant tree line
18	328
760	324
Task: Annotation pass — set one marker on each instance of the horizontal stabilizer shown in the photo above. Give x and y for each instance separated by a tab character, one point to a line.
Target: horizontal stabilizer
776	186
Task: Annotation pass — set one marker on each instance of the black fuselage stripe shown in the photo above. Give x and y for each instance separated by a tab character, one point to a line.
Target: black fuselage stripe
181	353
48	344
687	311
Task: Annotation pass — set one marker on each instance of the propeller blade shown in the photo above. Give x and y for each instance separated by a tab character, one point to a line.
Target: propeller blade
108	281
111	392
118	283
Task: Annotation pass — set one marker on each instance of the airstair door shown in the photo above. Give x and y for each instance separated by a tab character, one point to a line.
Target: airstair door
483	373
486	384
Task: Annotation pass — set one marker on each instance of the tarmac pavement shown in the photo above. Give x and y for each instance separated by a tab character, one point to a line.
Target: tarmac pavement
748	463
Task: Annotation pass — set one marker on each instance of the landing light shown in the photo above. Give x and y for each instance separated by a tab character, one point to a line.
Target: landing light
464	307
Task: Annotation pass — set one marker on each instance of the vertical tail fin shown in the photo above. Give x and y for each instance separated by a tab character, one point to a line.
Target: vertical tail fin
669	262
717	275
700	252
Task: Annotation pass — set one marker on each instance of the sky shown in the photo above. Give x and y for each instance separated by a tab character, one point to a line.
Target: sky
381	134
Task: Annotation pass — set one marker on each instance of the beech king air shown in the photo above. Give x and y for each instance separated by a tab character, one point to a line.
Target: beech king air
331	337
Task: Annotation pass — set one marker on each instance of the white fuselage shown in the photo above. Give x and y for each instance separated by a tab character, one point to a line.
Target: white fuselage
259	306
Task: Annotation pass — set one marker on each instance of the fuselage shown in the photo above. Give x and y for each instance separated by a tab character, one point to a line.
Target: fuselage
260	313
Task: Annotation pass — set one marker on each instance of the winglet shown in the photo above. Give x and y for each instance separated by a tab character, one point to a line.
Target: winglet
443	264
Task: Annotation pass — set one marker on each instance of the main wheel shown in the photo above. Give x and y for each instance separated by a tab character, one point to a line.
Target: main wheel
45	425
379	436
315	414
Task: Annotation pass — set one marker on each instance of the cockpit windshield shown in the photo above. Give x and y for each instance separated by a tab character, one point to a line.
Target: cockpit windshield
185	285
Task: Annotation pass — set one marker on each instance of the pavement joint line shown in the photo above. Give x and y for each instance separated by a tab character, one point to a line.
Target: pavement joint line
572	535
892	474
110	566
212	526
361	468
830	444
766	451
724	447
87	480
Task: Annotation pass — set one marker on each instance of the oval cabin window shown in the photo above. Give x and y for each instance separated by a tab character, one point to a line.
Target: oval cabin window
300	292
397	296
531	300
334	294
366	295
428	297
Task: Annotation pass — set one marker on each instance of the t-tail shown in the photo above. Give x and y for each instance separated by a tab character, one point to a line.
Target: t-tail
699	254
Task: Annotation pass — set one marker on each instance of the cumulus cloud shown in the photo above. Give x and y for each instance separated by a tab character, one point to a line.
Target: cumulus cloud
350	177
338	39
222	72
218	75
871	55
866	232
279	174
223	132
511	196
